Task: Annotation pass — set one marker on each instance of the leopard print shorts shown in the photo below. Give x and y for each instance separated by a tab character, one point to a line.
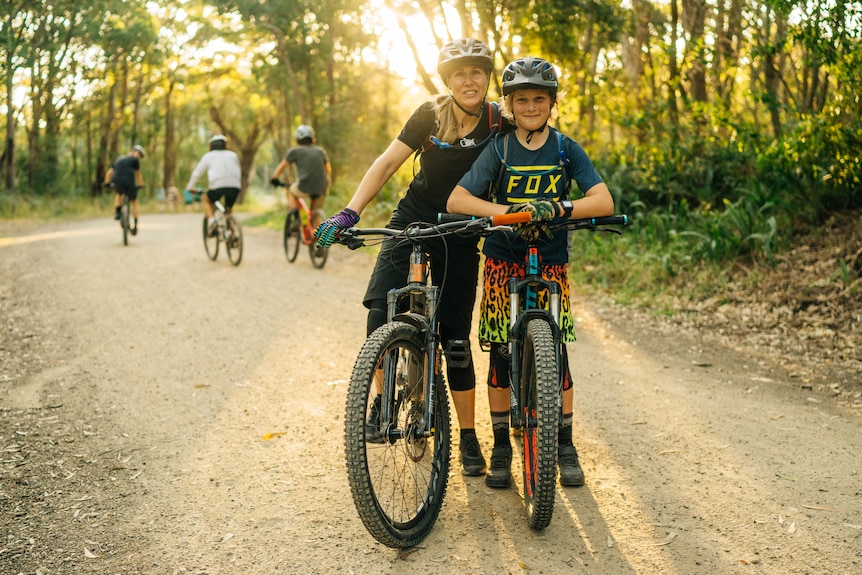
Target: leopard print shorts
494	309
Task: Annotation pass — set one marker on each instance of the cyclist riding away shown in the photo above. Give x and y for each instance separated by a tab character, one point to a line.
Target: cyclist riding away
310	166
126	178
448	132
531	169
224	178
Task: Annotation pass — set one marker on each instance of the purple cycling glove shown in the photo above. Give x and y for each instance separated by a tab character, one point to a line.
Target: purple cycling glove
327	232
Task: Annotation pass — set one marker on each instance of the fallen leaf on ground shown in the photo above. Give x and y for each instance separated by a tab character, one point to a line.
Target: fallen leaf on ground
670	537
820	508
273	435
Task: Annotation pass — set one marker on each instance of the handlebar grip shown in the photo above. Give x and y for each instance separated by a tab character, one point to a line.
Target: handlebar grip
446	218
619	220
501	220
512	218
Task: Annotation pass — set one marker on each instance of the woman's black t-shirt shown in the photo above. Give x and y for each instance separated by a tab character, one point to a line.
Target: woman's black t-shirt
440	169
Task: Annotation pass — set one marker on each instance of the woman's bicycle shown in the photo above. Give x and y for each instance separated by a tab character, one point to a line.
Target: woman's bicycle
397	426
226	231
298	230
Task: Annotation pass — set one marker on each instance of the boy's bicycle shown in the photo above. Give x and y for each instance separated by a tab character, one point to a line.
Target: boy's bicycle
397	427
537	368
298	231
227	231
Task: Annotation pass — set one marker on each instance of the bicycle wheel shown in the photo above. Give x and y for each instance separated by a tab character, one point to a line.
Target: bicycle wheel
210	242
292	235
233	240
318	255
397	477
539	380
124	222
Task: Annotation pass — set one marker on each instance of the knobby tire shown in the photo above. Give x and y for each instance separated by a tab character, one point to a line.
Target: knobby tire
292	235
540	381
233	240
398	483
318	255
210	243
124	221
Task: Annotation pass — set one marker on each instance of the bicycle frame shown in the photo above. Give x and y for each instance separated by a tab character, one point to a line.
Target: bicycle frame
305	220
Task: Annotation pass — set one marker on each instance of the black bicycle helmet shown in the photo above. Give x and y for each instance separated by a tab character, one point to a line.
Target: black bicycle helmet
218	142
530	72
464	52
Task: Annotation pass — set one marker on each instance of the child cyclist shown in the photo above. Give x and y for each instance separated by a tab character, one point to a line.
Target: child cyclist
530	169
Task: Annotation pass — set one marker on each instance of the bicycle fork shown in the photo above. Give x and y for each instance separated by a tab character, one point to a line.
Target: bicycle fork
423	299
529	286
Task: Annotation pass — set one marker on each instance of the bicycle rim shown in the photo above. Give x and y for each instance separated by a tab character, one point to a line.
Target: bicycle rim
292	237
397	479
540	404
124	222
233	240
210	243
318	255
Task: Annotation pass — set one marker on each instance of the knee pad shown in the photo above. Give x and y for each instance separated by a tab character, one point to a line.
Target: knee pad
567	374
498	370
457	352
459	364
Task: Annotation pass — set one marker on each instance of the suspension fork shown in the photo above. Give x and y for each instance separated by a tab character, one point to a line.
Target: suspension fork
423	300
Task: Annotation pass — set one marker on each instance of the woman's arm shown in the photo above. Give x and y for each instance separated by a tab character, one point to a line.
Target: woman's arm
378	174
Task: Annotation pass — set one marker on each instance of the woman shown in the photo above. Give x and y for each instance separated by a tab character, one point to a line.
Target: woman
547	162
450	132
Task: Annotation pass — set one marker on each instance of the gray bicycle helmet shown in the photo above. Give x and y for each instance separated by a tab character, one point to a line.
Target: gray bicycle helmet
304	133
464	52
530	72
138	149
218	142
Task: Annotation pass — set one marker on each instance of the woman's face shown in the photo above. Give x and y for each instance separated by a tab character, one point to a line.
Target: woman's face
468	85
531	108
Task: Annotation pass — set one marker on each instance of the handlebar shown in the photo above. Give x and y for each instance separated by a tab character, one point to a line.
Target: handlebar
459	224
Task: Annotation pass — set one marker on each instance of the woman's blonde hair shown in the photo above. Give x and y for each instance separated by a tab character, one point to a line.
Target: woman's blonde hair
447	125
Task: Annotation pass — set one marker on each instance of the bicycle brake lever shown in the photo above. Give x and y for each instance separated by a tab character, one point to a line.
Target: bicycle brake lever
609	230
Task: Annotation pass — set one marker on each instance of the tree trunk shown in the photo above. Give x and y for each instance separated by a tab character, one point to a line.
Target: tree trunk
170	157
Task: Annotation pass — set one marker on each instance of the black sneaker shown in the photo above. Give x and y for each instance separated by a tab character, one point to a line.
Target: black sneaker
571	474
372	423
472	461
134	231
117	215
500	473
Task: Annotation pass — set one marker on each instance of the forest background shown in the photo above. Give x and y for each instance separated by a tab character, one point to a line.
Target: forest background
725	129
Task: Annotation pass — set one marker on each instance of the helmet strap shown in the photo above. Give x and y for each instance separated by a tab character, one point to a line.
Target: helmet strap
531	132
474	114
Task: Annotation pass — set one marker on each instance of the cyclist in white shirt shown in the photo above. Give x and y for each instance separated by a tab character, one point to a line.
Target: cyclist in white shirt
224	177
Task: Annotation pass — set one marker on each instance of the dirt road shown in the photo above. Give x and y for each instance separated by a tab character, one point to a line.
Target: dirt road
165	414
